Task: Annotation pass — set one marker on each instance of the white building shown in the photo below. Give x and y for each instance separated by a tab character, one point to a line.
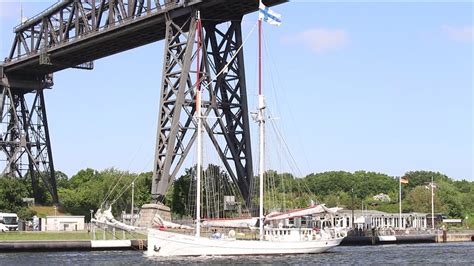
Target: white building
369	219
63	223
364	220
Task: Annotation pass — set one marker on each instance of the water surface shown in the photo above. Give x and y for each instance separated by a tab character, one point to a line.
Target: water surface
452	253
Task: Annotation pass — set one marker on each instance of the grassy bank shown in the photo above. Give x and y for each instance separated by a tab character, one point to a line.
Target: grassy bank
80	235
43	211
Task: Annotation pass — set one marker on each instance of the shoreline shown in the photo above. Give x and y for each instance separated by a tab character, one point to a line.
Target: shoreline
39	245
71	245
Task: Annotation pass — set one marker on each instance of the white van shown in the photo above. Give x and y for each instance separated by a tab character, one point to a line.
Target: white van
3	228
9	220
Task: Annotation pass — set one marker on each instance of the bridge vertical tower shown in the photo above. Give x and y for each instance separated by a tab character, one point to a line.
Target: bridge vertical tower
24	138
225	97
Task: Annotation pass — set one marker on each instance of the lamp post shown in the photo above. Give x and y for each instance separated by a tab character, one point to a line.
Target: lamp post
91	228
352	196
432	203
133	197
432	186
400	202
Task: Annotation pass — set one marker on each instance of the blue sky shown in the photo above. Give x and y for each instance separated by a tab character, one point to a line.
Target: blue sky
378	86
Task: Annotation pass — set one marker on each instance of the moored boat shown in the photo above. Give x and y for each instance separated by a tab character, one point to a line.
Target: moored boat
271	240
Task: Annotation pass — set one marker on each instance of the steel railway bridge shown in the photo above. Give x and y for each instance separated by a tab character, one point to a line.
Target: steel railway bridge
75	33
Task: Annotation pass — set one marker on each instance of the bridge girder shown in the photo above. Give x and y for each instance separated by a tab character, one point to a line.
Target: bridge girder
76	32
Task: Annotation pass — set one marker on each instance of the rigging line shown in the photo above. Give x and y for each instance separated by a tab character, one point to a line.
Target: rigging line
275	97
113	189
282	81
126	188
289	153
109	193
267	50
206	86
285	145
274	91
133	159
280	176
277	105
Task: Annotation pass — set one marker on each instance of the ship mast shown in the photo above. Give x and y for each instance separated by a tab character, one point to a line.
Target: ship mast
199	128
261	125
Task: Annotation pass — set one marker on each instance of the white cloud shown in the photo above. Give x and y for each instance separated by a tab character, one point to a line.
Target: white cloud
321	40
459	34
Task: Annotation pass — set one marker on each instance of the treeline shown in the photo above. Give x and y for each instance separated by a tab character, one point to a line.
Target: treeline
90	189
360	190
453	198
87	190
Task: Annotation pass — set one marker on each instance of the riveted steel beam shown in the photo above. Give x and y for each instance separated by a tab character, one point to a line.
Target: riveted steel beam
24	137
225	98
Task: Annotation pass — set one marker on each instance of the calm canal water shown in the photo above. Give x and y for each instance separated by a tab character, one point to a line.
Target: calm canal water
455	253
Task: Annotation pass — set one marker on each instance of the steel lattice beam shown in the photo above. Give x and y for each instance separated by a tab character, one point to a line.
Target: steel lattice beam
25	136
173	141
226	99
72	19
75	32
230	133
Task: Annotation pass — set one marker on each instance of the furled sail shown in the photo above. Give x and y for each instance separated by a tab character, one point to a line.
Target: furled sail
231	223
158	221
301	212
106	217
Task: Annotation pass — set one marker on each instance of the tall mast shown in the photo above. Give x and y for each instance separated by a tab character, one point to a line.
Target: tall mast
199	129
432	203
261	124
400	201
133	198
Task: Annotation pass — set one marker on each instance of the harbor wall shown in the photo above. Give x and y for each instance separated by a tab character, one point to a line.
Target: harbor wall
381	240
455	237
80	245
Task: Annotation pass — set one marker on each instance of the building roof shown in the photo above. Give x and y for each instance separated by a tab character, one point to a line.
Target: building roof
64	216
378	213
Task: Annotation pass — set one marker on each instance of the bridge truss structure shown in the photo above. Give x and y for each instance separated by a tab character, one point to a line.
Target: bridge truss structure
75	33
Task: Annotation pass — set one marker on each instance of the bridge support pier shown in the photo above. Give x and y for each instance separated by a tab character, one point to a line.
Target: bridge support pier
24	134
224	96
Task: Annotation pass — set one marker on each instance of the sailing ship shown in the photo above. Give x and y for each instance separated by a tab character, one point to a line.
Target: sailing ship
164	241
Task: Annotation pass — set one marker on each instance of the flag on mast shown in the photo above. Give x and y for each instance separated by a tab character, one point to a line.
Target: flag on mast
404	180
267	15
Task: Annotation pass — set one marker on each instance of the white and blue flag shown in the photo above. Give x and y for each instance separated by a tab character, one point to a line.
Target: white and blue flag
267	15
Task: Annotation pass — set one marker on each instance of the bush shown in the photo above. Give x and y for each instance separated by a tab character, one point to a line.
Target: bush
26	214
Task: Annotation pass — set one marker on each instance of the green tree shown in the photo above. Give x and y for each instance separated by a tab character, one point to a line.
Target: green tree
420	199
180	194
12	192
421	178
62	180
26	214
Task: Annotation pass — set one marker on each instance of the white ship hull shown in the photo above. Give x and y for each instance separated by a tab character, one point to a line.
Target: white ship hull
163	244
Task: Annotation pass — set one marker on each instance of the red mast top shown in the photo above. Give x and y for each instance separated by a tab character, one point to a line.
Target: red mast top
198	66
